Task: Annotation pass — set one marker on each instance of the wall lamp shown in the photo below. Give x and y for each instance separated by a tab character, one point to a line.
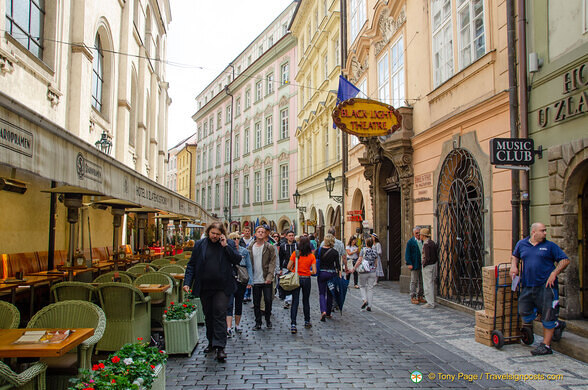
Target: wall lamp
12	185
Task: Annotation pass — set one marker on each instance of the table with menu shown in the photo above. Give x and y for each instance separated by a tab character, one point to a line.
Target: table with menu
37	342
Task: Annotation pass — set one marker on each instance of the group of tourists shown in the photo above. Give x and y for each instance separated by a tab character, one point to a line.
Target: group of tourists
223	268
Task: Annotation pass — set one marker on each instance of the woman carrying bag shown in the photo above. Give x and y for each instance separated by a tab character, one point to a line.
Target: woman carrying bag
366	266
303	263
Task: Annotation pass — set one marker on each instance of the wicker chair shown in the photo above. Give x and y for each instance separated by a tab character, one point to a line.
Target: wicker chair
176	269
183	262
107	277
160	262
159	301
77	291
140	269
9	316
33	378
128	315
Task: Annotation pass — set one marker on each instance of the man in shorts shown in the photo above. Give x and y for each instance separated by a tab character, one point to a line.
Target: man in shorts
538	280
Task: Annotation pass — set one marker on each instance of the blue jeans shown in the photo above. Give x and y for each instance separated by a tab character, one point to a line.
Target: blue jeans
325	297
305	287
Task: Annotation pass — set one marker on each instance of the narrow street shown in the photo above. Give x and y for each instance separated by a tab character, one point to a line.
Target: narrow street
370	350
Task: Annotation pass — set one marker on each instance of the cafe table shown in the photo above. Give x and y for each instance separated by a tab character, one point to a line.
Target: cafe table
37	349
28	282
152	288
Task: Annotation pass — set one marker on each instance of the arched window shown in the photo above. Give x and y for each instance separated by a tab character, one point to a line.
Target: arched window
97	74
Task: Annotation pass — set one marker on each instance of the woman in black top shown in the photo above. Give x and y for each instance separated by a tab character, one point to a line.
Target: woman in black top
210	273
328	258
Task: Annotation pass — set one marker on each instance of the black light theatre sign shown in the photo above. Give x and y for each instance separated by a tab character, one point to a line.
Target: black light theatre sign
512	151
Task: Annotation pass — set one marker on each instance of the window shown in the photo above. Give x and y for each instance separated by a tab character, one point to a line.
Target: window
210	157
258	91
269	130
217	195
268	184
25	21
258	135
338	144
316	23
218	154
228	113
326	65
199	133
442	41
309	33
219	120
269	84
284	182
209	198
337	52
284	123
247	99
238	106
384	79
236	192
227	151
198	167
211	124
197	195
236	147
203	198
285	29
226	191
246	141
97	73
470	24
205	131
309	158
246	189
270	41
257	187
285	74
249	60
260	50
325	7
204	160
308	88
398	74
357	17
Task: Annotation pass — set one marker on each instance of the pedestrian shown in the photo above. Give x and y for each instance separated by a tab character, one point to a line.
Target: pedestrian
329	264
412	256
538	280
367	278
245	240
378	248
286	250
340	247
263	260
352	255
429	259
236	300
313	242
306	267
209	275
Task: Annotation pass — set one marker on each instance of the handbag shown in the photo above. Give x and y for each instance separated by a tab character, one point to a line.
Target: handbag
291	281
242	274
363	267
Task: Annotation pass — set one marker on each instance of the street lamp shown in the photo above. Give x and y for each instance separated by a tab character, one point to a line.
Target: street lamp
330	184
104	143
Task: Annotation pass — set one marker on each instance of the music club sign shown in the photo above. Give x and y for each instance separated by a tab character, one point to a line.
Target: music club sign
512	151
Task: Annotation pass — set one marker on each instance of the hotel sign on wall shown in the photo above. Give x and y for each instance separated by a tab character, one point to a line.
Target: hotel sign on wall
366	118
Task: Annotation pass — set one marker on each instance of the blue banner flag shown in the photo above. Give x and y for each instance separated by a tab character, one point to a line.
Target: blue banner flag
346	91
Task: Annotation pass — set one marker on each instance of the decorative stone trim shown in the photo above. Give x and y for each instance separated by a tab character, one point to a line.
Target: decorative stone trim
6	66
53	95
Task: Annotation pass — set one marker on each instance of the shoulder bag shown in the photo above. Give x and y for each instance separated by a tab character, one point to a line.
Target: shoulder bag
242	274
291	281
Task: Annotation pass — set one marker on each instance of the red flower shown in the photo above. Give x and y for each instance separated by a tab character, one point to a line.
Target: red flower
171	303
113	381
160	351
100	365
184	305
95	367
115	359
165	312
140	338
152	366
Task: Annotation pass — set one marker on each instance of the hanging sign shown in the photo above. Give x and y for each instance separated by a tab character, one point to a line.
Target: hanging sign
366	118
512	151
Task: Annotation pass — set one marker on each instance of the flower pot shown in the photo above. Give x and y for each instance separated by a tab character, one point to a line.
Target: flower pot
158	380
199	311
181	336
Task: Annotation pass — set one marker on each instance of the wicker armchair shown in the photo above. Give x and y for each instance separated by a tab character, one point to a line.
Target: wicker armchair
159	301
140	269
107	277
9	316
77	291
128	315
183	262
72	314
176	269
33	378
161	262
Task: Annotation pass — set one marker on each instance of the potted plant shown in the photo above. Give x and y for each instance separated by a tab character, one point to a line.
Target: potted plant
180	327
134	366
189	297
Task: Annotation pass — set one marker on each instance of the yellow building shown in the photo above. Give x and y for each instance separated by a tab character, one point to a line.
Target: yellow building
316	26
186	170
443	64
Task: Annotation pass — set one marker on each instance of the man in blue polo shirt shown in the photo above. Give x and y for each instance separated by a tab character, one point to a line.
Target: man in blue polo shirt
538	281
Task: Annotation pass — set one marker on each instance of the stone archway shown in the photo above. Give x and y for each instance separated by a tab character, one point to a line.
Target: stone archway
568	174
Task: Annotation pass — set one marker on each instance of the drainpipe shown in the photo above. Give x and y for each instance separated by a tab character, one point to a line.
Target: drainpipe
523	108
513	110
344	136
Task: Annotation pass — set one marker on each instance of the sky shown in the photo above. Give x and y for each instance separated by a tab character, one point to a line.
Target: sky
203	37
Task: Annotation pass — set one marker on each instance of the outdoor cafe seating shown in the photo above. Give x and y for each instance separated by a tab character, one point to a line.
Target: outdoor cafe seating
78	291
32	378
159	301
109	276
9	316
141	269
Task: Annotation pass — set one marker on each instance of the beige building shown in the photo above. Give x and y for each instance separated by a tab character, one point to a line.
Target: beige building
443	64
316	25
73	73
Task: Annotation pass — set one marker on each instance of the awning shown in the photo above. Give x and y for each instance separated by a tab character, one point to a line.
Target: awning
31	142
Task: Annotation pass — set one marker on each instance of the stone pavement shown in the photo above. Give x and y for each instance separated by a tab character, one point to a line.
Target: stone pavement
370	350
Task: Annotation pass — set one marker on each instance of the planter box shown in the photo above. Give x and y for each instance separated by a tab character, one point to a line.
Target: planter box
181	336
158	381
199	311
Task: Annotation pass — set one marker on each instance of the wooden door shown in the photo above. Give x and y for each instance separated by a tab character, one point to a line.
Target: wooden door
394	235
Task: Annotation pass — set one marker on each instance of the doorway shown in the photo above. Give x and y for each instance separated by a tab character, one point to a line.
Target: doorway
394	235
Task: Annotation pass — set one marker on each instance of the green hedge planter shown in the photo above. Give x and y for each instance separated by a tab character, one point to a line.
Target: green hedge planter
181	336
158	381
199	311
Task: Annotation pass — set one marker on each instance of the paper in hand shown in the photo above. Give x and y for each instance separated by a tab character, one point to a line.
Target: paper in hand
515	282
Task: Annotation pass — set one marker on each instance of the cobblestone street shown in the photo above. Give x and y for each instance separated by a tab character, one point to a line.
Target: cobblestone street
369	350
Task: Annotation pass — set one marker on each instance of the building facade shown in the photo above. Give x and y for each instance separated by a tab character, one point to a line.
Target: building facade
73	73
316	26
558	103
246	160
443	64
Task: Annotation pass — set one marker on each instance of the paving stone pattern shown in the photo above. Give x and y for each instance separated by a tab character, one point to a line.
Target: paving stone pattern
367	350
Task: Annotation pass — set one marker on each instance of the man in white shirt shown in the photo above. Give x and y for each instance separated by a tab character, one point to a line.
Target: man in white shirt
263	260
